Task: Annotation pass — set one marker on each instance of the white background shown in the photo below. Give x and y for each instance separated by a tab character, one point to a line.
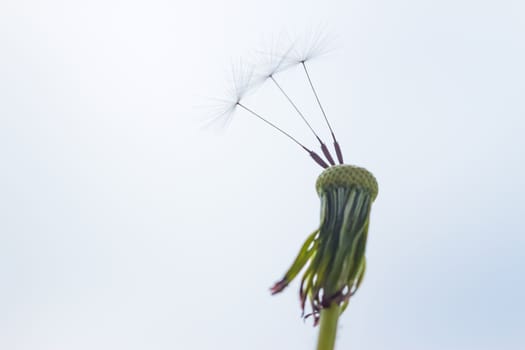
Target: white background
124	225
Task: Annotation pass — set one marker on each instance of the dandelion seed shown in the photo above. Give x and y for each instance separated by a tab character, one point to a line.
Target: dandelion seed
336	144
318	44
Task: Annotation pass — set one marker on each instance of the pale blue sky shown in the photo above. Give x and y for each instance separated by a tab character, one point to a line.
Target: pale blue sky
123	225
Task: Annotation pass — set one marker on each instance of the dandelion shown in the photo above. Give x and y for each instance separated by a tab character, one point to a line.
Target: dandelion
333	256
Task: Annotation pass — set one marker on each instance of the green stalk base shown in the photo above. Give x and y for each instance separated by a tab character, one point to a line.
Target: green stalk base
328	327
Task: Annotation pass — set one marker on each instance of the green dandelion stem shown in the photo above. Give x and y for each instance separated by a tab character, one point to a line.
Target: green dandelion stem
328	327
